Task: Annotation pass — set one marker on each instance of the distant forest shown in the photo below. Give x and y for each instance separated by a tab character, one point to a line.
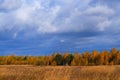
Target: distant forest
67	59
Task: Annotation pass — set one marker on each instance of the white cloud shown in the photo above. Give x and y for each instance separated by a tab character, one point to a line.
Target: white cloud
100	10
103	25
45	21
51	16
24	14
62	40
43	16
10	4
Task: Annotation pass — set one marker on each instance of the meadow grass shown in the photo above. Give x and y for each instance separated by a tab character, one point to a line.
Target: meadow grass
59	72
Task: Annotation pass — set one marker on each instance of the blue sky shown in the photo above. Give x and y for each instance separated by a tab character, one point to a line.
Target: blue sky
41	27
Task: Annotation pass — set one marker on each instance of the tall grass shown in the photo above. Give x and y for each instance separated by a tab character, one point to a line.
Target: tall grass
59	73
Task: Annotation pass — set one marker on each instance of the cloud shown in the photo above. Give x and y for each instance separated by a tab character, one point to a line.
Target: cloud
45	26
7	5
44	17
51	17
103	25
62	40
100	10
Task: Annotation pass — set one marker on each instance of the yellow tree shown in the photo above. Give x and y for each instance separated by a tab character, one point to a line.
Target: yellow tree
114	51
77	59
85	58
114	55
118	57
106	57
53	63
65	58
73	63
93	57
10	59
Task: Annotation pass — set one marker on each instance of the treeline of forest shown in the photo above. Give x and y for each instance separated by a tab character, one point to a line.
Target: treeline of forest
77	59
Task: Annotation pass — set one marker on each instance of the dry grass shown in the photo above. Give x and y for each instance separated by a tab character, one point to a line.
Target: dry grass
59	73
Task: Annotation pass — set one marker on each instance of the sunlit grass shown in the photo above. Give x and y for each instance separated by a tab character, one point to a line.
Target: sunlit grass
59	73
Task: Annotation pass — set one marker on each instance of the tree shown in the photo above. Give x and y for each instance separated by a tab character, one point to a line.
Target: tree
114	51
58	59
50	58
67	58
114	54
53	63
10	59
73	63
77	59
93	57
85	58
106	57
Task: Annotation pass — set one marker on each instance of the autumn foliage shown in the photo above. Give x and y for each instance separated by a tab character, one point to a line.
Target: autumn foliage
58	59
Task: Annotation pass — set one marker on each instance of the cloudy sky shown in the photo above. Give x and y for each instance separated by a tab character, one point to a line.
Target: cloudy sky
40	27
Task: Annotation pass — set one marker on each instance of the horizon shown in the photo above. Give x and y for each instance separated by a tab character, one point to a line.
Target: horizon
57	52
42	27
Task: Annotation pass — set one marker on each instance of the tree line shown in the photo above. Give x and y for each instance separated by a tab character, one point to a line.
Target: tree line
57	59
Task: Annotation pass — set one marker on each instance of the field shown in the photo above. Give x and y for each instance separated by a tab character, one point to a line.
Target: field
59	72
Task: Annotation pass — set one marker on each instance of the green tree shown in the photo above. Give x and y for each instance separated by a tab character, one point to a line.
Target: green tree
58	59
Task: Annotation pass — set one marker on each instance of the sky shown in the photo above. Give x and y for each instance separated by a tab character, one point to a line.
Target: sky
41	27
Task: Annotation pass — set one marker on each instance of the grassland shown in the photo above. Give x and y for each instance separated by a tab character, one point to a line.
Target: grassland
59	73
